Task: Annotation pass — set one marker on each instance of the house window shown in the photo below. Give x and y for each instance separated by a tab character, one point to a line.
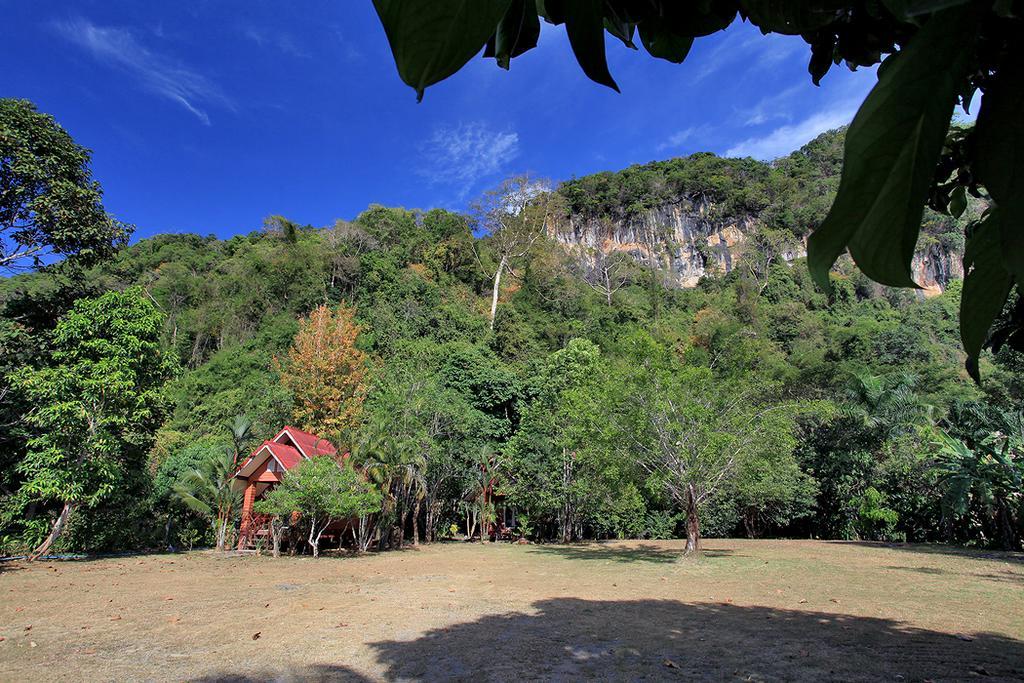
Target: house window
274	466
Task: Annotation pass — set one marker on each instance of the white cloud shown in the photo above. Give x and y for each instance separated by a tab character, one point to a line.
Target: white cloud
773	107
275	39
747	46
785	139
679	138
462	155
162	76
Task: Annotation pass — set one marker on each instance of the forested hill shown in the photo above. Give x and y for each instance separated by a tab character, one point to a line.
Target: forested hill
700	214
875	372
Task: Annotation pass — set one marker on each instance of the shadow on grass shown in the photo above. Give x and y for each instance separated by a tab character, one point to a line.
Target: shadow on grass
318	673
939	549
574	639
615	553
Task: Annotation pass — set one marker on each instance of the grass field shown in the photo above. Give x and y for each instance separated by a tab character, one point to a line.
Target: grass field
746	610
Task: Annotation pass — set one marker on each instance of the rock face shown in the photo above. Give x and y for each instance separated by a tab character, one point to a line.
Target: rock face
685	241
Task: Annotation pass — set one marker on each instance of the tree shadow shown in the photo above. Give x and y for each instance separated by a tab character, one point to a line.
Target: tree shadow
574	639
643	552
939	549
318	673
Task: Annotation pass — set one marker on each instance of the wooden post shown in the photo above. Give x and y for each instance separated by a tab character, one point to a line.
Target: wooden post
247	501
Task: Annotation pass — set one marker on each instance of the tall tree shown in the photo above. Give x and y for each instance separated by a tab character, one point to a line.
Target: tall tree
692	431
514	215
322	492
97	405
207	490
49	203
900	153
326	371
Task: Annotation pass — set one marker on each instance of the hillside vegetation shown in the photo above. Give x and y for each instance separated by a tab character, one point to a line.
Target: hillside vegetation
752	402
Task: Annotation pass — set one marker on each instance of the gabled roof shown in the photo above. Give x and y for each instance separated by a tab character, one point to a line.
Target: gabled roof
309	444
281	448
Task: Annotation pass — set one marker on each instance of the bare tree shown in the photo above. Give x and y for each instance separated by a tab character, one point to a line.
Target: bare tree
514	216
608	273
691	432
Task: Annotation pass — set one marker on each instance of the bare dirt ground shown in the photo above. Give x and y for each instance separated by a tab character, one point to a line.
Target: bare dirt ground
746	610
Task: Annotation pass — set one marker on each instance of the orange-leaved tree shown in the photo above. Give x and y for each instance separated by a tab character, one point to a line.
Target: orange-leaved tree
326	372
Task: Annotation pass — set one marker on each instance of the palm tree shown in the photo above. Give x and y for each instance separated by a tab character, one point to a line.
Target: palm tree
207	490
241	433
989	477
481	478
397	464
889	405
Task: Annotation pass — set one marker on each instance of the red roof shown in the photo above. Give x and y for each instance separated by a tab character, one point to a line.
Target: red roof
310	444
286	455
306	445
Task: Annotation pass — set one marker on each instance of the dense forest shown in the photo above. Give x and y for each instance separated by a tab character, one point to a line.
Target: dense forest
458	356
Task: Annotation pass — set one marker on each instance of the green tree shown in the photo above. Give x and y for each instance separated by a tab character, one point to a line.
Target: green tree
987	481
49	203
900	152
207	490
692	431
322	492
97	405
552	471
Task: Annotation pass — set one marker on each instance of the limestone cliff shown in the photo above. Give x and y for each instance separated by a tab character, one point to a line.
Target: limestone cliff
685	241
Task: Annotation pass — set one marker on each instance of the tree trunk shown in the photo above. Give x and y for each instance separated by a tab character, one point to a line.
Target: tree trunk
568	518
276	529
692	522
314	538
494	292
55	532
416	524
428	531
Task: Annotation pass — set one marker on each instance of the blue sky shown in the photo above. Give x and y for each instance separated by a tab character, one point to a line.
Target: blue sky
205	115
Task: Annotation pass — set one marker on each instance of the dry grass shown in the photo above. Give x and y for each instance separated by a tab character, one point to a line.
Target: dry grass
748	610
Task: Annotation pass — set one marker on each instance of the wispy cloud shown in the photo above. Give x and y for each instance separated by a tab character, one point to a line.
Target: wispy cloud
679	138
758	52
463	155
278	40
785	139
119	48
773	107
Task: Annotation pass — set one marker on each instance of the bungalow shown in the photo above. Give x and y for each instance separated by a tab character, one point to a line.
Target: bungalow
264	469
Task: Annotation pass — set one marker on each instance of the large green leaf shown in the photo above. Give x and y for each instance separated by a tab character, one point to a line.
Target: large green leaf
892	148
664	44
908	10
789	17
517	32
986	285
999	145
432	39
584	23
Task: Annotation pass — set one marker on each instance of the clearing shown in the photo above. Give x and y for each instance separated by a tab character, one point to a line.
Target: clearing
746	610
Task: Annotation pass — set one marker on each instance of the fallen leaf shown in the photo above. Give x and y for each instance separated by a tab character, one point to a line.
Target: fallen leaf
32	644
29	627
834	600
803	601
670	664
116	617
267	605
256	636
964	636
341	625
168	597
